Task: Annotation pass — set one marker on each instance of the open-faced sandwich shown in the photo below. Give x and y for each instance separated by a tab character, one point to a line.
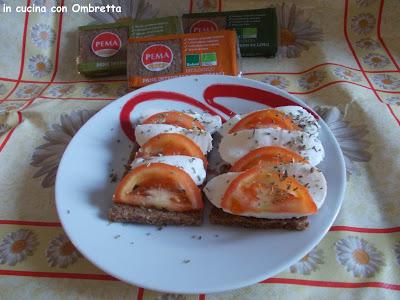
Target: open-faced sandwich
161	186
273	181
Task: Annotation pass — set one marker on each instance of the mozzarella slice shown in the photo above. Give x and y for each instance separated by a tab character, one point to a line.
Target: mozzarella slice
217	186
309	176
146	131
302	118
299	115
210	122
226	127
191	165
304	173
236	145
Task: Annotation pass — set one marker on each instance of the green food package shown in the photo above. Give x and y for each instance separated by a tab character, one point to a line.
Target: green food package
102	49
257	29
155	27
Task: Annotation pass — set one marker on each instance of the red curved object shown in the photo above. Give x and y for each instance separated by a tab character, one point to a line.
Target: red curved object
246	93
129	106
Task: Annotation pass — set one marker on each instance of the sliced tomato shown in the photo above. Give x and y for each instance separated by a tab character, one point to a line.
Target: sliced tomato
259	190
175	118
266	118
161	186
271	155
171	144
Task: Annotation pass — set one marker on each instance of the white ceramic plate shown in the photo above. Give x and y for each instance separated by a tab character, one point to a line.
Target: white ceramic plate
224	258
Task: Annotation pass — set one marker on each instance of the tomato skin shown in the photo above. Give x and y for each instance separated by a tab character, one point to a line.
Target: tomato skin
259	190
270	155
174	118
171	144
160	186
267	118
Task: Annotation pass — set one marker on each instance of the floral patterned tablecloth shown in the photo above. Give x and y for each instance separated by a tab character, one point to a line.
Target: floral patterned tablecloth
342	57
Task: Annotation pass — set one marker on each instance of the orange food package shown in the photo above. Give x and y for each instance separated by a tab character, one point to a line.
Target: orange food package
153	59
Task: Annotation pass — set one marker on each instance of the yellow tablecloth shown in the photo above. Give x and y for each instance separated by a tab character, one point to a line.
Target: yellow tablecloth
342	57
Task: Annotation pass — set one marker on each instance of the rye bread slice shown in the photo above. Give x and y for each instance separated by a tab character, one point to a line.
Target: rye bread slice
132	214
151	216
219	217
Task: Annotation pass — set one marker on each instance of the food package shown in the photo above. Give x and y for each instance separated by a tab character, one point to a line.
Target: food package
154	59
256	29
102	49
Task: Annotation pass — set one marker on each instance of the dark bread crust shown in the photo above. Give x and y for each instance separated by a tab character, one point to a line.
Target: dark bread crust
132	214
219	217
151	216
